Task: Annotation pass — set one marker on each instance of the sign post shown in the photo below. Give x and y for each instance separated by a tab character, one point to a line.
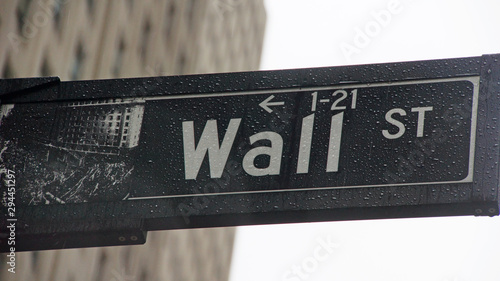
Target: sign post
94	163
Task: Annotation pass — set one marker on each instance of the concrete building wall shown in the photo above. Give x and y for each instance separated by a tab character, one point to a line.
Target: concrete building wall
90	39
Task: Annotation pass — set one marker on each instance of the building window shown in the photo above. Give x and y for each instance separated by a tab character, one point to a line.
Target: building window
119	54
78	60
145	36
7	71
22	11
169	20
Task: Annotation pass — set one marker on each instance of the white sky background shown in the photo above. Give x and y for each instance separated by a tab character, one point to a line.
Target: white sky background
309	34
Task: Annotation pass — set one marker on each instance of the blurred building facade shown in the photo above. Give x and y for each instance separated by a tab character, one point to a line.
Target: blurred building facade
89	39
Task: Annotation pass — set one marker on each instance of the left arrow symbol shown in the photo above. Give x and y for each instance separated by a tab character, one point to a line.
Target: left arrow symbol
267	103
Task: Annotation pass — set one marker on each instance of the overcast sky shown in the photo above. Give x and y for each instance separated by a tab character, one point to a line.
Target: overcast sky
332	33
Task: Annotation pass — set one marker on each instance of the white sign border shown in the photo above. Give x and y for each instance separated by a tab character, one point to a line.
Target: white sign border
469	178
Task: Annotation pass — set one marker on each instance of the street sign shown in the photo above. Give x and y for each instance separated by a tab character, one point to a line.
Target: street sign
90	163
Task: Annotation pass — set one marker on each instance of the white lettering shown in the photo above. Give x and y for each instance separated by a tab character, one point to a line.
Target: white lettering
332	164
421	118
401	126
209	141
305	144
274	151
